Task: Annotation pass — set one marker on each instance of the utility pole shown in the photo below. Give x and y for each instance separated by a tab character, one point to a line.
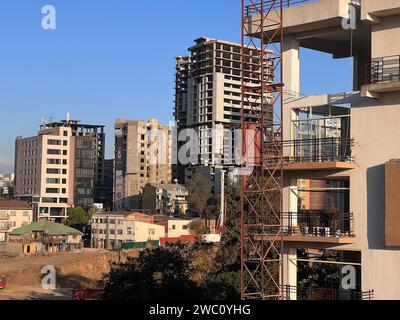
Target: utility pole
223	198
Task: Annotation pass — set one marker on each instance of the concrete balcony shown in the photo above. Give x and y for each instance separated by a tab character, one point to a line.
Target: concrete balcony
372	10
319	227
316	24
382	75
331	294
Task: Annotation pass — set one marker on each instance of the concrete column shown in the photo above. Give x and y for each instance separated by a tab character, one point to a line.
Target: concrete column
290	273
291	65
290	205
291	80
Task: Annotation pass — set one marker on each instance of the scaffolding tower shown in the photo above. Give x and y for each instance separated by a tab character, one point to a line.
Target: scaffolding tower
262	187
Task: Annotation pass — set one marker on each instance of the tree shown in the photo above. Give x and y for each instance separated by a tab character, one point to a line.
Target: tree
77	216
223	282
200	194
162	273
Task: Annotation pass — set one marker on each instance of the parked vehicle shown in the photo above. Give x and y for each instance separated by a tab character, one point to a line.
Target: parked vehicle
3	282
87	294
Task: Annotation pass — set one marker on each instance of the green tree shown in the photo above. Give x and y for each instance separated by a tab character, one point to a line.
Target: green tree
200	194
223	282
162	273
77	216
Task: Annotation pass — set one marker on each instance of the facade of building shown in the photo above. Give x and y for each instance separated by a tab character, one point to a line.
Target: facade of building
174	228
60	167
142	155
105	190
208	99
165	199
367	121
112	229
7	184
13	214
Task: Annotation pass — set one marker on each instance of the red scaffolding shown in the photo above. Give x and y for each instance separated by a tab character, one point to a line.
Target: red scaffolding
262	198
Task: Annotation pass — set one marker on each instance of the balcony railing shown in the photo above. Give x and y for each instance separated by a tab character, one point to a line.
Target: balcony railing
320	150
256	8
383	70
311	293
318	224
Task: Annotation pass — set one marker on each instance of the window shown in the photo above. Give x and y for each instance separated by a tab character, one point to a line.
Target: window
52	181
52	142
65	143
112	221
152	232
173	227
185	227
63	190
53	161
64	171
52	190
53	151
64	152
65	133
64	162
25	213
129	231
53	171
112	231
13	213
120	232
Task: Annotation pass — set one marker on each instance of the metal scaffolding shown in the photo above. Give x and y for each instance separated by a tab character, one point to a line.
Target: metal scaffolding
262	197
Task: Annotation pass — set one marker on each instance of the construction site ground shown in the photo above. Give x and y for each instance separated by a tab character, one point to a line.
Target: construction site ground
81	269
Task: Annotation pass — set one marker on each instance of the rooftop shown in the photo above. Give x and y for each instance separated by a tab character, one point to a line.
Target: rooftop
14	204
51	228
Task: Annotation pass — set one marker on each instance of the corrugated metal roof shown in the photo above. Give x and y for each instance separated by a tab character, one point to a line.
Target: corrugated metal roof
51	228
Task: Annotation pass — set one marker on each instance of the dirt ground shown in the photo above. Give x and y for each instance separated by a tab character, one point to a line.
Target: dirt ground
81	269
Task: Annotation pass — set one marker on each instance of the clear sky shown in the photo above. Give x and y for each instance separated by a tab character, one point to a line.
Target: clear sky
113	58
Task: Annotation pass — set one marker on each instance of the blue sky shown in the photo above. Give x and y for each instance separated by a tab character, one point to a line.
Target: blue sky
113	58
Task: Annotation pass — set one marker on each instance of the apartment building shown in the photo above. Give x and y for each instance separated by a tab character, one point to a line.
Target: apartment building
362	230
142	155
208	99
165	199
13	214
112	229
60	167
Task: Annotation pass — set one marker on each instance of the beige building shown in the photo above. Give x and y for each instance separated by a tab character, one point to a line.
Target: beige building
13	214
60	167
165	199
174	228
367	121
142	155
208	99
112	229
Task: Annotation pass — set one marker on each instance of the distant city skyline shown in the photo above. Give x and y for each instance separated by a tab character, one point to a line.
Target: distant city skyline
101	63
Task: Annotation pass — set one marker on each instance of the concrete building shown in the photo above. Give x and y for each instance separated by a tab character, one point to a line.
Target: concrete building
165	199
367	138
174	228
112	229
13	214
7	184
60	167
142	155
208	99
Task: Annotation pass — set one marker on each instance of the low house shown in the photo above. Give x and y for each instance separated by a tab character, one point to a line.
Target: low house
13	214
46	237
174	228
165	199
111	230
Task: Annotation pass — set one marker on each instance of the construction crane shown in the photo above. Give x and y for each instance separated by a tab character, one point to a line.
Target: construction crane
261	198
